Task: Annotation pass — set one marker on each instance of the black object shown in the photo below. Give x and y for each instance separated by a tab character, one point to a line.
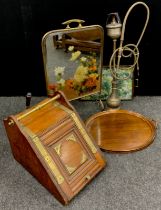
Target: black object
28	100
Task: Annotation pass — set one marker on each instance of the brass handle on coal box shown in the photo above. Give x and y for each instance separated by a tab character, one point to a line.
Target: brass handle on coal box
11	122
38	107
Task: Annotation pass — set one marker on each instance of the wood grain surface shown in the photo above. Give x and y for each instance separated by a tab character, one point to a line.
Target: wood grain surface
121	130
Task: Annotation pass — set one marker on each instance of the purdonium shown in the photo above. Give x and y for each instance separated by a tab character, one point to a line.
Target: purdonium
51	142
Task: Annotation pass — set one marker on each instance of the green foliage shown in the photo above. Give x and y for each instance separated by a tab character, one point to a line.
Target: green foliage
125	87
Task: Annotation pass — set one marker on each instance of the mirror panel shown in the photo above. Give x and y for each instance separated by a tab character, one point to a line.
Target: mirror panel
73	60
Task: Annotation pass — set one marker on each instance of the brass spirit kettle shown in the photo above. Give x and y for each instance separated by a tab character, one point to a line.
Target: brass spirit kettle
113	25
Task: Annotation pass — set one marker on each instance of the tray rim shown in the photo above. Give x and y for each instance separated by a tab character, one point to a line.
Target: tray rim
151	123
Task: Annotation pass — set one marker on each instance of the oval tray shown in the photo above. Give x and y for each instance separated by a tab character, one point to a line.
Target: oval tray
121	130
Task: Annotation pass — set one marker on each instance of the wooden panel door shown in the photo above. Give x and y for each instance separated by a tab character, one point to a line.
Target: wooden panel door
74	157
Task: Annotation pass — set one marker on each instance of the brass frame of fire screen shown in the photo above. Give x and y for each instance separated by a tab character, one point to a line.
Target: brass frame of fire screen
73	59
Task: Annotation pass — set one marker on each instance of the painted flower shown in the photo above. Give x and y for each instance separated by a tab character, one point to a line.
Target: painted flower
59	70
75	55
91	80
71	48
81	73
86	75
61	82
52	86
93	60
93	68
83	59
94	76
70	83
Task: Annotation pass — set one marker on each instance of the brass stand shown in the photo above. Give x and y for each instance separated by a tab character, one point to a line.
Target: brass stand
117	130
114	32
113	101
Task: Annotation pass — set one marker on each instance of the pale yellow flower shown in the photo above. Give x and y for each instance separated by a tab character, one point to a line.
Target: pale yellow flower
81	74
93	60
59	70
94	75
61	82
83	59
75	55
71	48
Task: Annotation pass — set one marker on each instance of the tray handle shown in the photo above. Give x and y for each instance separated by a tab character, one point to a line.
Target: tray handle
154	123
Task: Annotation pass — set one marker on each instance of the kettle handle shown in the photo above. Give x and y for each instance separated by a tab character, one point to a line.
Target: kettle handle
111	15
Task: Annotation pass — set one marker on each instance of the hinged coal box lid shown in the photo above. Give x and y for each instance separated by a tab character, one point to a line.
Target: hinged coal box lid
51	141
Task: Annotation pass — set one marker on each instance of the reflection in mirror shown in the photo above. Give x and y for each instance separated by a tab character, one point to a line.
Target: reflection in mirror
73	60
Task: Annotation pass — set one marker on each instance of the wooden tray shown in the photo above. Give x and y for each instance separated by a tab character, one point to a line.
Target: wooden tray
121	130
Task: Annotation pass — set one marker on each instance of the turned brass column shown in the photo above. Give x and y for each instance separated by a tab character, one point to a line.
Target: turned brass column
113	26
